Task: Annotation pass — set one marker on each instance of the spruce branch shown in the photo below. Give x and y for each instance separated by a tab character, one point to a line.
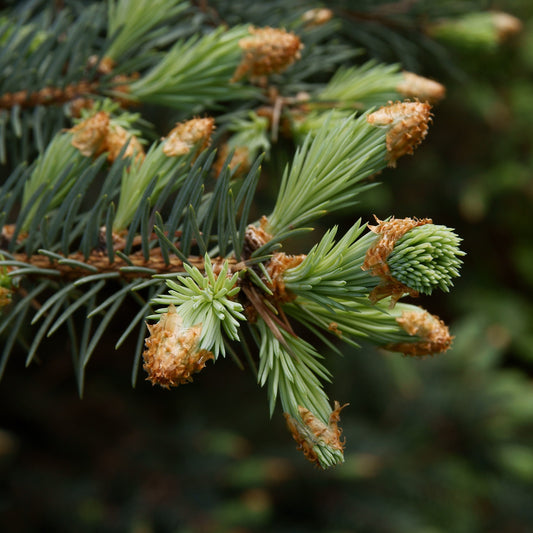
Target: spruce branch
95	222
327	170
408	256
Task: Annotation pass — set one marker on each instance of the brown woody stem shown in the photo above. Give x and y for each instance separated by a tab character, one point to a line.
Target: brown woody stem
100	260
48	95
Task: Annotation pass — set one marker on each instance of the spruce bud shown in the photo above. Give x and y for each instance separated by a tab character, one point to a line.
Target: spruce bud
267	51
320	443
433	333
407	124
89	135
189	135
421	88
412	256
172	352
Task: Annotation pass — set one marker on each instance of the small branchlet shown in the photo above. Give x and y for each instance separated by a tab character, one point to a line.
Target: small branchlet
403	328
403	259
168	160
362	86
476	30
132	24
332	271
320	443
198	69
371	84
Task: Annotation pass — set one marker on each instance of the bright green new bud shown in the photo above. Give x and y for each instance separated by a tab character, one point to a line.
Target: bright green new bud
206	299
426	258
412	256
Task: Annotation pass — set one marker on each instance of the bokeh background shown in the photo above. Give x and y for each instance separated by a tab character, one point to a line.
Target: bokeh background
439	445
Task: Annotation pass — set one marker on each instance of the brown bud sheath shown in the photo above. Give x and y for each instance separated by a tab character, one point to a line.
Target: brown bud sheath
407	123
89	135
267	51
172	352
317	16
186	135
376	257
506	25
240	162
255	237
424	89
312	431
275	268
98	134
434	334
116	138
5	296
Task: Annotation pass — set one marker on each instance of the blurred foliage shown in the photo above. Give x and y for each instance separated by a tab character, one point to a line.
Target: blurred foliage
443	445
